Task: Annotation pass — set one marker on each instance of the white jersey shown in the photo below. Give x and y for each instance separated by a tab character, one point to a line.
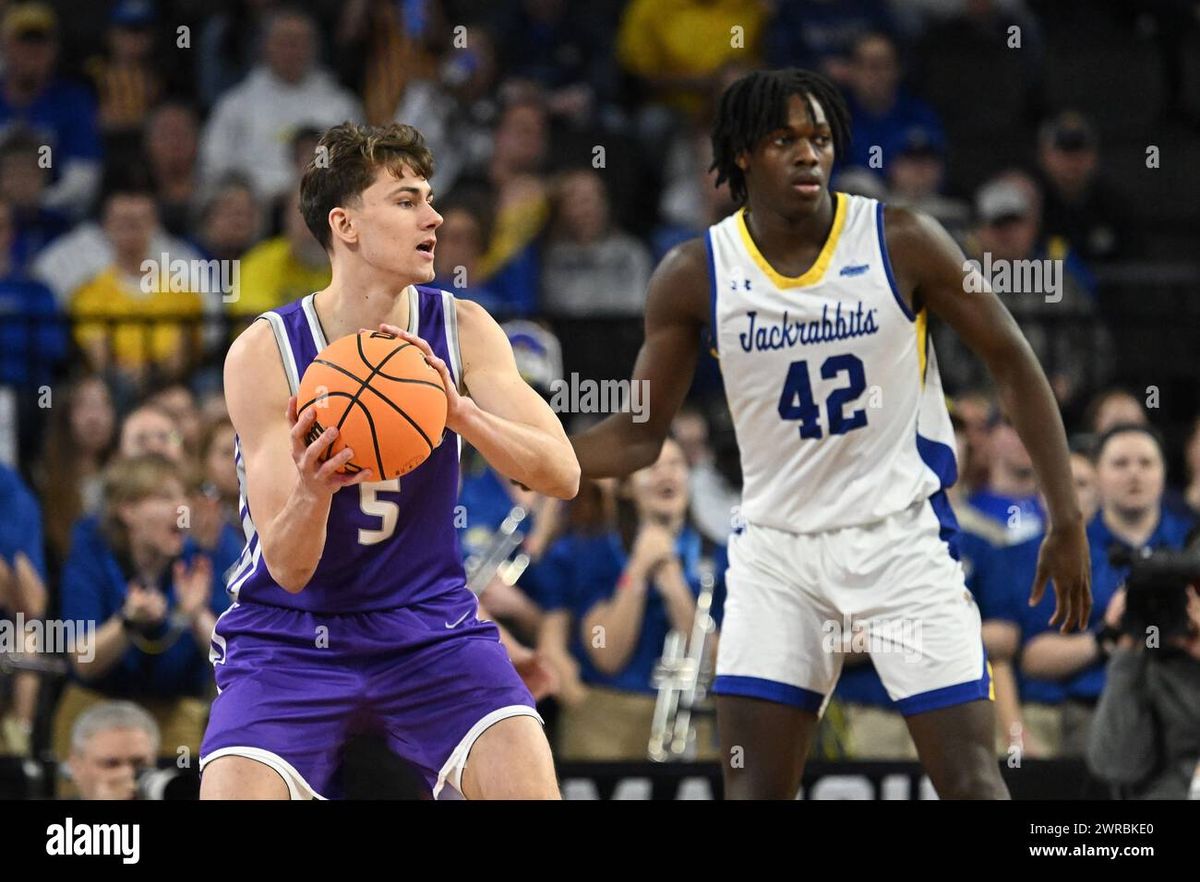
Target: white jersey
831	380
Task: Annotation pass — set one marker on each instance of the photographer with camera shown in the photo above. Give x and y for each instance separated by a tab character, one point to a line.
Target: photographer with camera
1130	474
113	745
1145	737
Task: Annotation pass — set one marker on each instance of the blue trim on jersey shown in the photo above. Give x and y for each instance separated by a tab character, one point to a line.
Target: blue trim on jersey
948	696
770	690
712	290
939	457
947	522
887	264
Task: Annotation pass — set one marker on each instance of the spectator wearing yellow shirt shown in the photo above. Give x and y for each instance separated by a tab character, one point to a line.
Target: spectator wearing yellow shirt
677	47
132	288
282	269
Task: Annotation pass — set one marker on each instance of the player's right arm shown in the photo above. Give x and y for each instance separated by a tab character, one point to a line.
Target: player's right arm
677	307
289	489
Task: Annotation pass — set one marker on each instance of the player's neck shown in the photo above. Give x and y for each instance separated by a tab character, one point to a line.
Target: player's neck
775	233
349	304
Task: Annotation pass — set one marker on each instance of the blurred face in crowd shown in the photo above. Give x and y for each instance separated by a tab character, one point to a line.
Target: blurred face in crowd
29	59
154	521
460	243
1083	475
661	490
180	404
290	47
876	72
130	220
1130	474
131	43
1010	455
520	143
1009	238
231	226
690	430
976	414
395	224
219	466
92	415
171	138
583	207
151	430
22	179
1070	170
1118	409
108	764
915	175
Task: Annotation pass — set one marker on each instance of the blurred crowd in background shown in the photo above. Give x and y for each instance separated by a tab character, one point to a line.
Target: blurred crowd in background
571	149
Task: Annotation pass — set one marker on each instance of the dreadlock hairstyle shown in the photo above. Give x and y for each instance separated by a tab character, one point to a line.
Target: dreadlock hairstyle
756	105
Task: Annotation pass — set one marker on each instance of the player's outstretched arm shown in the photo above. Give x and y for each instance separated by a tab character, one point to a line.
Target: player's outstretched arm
929	264
677	305
504	418
288	486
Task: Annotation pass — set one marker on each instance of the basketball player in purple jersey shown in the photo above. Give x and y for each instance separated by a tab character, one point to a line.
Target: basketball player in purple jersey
351	611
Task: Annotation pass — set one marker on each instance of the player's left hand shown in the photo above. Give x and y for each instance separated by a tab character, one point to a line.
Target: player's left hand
456	405
1064	559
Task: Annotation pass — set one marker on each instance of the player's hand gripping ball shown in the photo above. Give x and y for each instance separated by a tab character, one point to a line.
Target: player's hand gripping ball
387	403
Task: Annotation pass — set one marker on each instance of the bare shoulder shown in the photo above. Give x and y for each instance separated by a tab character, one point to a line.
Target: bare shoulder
681	283
482	343
255	380
914	239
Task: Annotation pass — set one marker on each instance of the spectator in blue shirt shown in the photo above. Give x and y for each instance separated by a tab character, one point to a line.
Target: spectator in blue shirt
1011	497
62	115
33	334
23	181
881	109
22	593
820	34
626	588
1130	473
153	602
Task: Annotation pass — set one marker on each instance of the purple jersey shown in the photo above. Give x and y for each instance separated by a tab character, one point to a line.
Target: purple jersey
388	544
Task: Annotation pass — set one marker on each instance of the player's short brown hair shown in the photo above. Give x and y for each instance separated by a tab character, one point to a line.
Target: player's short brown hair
345	163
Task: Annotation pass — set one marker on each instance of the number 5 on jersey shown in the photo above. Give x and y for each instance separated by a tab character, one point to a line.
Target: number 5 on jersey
385	509
797	403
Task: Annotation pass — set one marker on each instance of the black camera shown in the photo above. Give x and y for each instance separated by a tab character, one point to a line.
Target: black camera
1156	589
169	783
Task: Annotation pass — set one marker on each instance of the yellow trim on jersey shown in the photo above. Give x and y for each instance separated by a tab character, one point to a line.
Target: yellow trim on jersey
816	272
991	683
920	325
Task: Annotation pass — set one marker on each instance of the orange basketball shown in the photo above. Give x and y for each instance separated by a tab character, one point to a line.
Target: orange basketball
389	405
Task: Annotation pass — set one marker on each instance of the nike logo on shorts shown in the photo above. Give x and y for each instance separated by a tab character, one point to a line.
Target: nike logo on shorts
457	621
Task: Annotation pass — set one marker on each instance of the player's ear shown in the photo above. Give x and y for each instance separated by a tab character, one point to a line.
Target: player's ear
742	160
341	225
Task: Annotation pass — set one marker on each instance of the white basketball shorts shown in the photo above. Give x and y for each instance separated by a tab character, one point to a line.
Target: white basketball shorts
797	603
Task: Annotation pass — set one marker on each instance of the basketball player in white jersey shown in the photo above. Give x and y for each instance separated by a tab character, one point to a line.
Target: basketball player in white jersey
816	304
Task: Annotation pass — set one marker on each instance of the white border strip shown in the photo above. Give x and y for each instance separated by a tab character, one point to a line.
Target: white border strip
314	321
297	787
454	766
285	349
